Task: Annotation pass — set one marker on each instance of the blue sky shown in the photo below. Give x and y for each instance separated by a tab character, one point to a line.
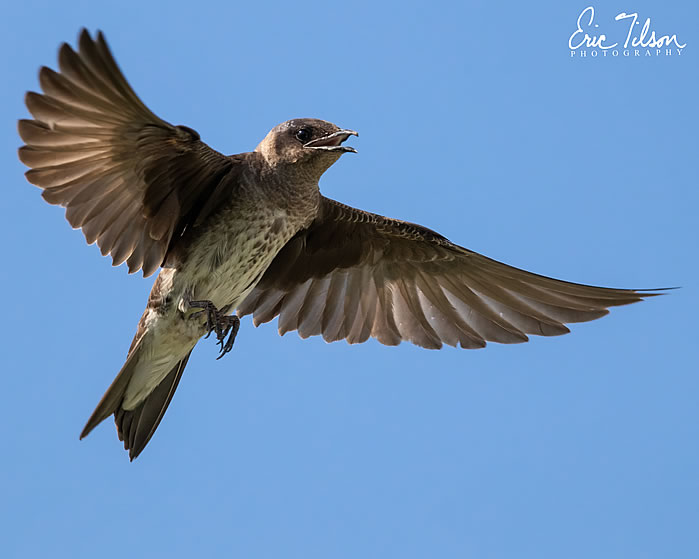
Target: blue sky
475	121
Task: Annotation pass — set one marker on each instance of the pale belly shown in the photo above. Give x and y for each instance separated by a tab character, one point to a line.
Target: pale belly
223	267
226	263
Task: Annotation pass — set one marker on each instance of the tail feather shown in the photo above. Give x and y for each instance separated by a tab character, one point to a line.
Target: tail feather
114	395
136	427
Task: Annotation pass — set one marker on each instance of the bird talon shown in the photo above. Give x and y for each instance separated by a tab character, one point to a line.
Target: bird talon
232	327
225	326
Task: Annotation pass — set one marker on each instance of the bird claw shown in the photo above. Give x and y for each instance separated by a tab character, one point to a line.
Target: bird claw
231	330
222	325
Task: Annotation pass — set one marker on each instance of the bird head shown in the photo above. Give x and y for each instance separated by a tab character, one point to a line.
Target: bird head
309	145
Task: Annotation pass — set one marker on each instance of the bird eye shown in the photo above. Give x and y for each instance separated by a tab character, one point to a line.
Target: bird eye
303	135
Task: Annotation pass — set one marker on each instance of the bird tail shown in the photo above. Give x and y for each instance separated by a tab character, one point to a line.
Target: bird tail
136	426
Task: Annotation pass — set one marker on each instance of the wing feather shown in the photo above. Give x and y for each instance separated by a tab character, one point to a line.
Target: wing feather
353	275
129	179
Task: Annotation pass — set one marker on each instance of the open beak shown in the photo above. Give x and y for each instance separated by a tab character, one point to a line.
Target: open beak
333	142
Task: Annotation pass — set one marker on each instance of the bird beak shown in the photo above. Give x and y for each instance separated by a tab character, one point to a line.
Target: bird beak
333	142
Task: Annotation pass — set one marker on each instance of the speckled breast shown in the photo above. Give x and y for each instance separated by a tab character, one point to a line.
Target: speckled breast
227	260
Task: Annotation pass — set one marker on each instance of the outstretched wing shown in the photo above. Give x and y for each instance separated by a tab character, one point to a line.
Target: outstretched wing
354	275
131	181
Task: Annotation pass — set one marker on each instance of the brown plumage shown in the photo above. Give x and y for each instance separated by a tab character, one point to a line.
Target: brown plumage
354	275
251	232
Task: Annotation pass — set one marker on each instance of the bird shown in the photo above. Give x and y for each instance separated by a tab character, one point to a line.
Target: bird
251	234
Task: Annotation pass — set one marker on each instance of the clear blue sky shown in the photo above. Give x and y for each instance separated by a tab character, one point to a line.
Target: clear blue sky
473	120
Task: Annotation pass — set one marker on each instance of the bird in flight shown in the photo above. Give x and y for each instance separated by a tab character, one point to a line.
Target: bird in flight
251	233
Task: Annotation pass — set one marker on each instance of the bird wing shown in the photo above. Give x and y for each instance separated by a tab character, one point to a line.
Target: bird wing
354	275
131	181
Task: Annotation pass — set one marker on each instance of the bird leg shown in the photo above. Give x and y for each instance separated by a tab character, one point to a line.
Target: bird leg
223	324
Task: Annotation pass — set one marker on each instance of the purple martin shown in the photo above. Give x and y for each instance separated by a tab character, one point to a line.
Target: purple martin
251	233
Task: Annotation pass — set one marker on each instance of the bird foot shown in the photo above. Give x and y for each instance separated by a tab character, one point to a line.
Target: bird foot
222	324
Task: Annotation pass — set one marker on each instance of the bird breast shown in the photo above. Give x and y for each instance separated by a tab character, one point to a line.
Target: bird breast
226	262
